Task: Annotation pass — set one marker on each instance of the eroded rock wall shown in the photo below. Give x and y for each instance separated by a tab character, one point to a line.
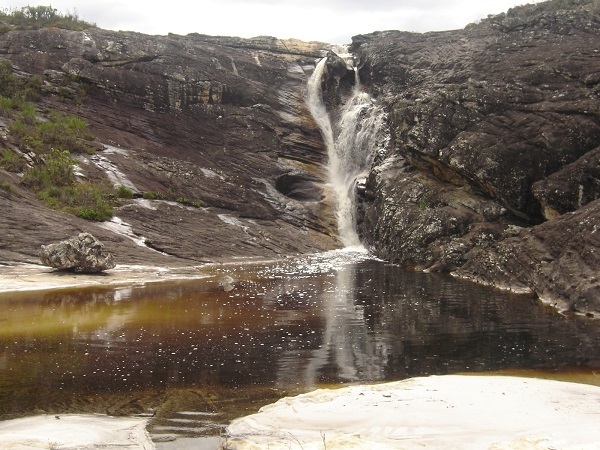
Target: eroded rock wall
216	122
492	167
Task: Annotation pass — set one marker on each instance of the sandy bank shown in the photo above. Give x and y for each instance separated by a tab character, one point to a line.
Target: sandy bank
30	277
75	432
439	412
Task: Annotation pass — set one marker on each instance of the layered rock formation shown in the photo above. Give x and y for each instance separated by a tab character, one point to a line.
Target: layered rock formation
491	170
492	167
216	126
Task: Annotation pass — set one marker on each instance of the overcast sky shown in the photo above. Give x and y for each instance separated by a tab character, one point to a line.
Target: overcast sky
331	21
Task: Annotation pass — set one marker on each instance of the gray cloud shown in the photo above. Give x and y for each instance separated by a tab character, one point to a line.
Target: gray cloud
324	20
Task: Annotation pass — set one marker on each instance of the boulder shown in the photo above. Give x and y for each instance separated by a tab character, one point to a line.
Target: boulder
84	254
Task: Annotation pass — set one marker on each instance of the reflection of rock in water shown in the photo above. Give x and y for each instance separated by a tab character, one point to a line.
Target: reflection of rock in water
227	283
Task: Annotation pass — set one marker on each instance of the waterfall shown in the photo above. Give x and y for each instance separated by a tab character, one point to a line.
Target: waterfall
316	105
351	143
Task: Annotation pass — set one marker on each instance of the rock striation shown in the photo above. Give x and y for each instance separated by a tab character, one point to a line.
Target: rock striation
83	253
214	130
491	171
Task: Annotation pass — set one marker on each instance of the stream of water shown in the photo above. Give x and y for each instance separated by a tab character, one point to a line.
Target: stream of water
351	143
192	355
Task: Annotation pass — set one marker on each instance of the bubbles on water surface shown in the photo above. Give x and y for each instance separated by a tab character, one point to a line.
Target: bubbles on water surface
294	324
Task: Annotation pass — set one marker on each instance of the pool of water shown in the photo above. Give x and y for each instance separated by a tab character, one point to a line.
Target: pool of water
192	355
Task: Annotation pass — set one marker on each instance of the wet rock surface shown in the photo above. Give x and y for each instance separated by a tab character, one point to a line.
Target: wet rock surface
494	130
207	127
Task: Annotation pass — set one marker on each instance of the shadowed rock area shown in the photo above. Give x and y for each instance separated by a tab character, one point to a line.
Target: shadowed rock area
492	167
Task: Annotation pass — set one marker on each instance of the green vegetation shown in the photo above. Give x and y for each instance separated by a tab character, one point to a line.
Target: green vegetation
151	195
54	169
60	130
49	138
64	131
14	90
32	17
170	195
186	202
5	186
12	162
123	192
53	180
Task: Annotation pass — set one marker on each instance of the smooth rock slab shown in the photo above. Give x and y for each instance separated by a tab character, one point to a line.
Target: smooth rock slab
75	432
440	412
83	253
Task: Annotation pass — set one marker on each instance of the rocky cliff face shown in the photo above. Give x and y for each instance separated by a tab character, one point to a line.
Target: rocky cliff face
216	122
492	171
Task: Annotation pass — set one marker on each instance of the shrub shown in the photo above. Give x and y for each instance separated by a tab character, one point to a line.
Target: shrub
186	202
18	88
150	195
97	214
6	106
55	169
64	131
170	194
28	113
43	16
11	161
6	186
85	200
123	192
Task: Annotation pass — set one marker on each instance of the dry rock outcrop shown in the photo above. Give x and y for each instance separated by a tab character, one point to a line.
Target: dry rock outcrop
83	253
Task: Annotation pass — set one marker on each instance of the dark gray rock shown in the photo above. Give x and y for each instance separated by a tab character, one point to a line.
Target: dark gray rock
83	254
337	82
494	128
558	260
576	185
302	186
413	218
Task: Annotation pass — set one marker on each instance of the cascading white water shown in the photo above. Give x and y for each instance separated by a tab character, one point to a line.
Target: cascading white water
350	145
316	106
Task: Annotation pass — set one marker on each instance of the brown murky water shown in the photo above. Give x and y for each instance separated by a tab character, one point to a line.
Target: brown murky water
195	354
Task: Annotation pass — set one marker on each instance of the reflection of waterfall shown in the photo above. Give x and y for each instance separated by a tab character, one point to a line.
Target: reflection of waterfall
347	344
347	350
350	145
